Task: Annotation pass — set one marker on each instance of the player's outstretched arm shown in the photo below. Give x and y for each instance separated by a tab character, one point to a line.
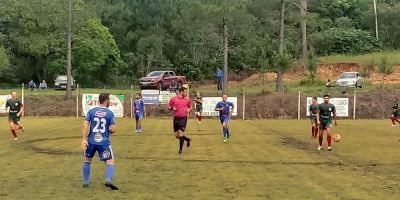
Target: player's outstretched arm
334	117
7	106
84	143
217	108
21	110
113	129
171	105
189	106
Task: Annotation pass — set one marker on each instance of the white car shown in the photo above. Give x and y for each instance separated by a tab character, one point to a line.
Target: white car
350	79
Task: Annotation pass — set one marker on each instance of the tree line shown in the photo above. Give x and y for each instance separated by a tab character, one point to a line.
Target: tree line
117	41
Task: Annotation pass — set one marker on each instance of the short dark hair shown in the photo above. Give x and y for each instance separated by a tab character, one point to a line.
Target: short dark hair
315	98
327	95
182	89
139	94
104	97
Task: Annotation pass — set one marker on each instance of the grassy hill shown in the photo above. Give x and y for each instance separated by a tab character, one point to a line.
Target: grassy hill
392	56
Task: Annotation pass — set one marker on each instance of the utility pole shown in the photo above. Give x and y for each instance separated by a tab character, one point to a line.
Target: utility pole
69	51
225	86
376	21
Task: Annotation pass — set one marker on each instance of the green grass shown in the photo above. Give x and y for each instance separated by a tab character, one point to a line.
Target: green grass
290	87
393	57
266	159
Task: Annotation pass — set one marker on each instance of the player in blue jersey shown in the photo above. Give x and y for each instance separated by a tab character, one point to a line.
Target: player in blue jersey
225	109
102	123
140	111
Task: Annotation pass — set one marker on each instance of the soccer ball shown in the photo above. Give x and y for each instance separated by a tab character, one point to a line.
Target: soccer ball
337	137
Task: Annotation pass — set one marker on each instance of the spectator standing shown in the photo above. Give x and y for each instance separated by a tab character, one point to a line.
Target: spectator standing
220	77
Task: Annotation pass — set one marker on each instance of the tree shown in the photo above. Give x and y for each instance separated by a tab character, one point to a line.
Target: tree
97	58
226	73
263	63
385	68
68	94
303	25
282	63
4	62
312	64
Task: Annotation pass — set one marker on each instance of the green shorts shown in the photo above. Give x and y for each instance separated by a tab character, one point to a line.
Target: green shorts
14	118
199	108
313	119
396	114
325	123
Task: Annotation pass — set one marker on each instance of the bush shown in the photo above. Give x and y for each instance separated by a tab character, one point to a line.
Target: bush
344	41
309	82
367	69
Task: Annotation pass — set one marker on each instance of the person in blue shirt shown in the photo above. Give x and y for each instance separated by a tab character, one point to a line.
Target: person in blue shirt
140	111
31	85
225	109
220	77
101	124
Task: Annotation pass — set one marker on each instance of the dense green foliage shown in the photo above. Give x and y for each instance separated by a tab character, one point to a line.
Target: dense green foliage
117	41
344	41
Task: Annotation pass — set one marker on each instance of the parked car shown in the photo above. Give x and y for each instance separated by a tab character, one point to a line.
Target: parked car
350	79
61	83
161	80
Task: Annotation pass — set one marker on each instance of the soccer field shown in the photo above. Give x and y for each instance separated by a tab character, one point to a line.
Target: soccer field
265	159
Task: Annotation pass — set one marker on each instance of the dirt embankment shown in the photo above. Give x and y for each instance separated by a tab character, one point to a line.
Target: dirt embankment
325	72
370	105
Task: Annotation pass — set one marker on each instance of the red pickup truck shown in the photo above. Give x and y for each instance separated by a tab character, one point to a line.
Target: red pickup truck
161	80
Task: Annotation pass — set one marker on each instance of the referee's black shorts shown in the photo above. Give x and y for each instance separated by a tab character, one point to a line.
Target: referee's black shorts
180	124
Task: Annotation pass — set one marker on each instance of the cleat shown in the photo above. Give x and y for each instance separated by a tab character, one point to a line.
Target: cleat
319	148
188	144
111	186
140	131
225	140
393	125
85	186
180	153
136	131
329	148
15	139
22	129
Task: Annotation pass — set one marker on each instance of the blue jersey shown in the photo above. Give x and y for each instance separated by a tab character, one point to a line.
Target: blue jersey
226	108
100	119
138	105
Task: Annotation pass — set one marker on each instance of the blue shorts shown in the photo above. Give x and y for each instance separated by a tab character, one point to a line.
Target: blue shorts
138	116
105	152
224	119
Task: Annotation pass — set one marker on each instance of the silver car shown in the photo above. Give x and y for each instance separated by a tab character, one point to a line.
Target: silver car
350	79
61	83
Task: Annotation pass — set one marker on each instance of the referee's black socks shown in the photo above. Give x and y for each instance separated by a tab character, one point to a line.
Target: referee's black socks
181	141
186	139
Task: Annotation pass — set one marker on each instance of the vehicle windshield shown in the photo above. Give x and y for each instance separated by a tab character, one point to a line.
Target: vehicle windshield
61	78
348	75
155	73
